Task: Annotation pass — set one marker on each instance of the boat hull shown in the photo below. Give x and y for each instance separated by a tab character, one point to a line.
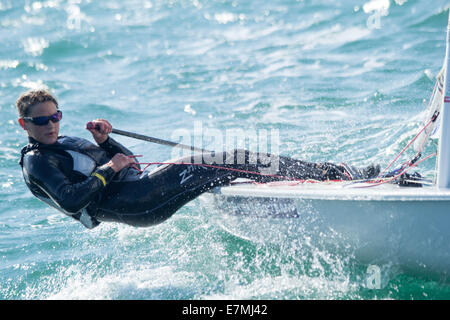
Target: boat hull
409	227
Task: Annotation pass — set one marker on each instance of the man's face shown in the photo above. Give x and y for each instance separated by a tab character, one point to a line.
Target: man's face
46	134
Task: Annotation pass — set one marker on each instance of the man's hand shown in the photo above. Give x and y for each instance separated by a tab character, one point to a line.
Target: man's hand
104	128
120	161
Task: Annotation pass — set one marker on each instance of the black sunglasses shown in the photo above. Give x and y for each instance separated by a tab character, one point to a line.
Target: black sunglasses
42	121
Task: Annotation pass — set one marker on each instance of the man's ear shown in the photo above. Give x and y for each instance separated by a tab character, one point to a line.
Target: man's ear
22	123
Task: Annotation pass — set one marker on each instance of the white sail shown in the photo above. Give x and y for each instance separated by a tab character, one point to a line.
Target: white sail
443	176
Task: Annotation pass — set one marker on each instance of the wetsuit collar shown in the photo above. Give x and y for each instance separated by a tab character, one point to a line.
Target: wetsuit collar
33	144
31	140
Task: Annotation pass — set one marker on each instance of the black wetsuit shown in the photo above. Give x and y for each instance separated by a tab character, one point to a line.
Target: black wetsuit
71	176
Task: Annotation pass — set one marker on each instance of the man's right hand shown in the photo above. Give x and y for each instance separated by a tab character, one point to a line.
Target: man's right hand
120	161
99	129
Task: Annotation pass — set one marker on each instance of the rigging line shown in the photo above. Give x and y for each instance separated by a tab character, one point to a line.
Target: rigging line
433	118
400	174
418	154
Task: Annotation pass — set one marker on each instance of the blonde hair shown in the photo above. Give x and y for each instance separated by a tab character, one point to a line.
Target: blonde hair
30	98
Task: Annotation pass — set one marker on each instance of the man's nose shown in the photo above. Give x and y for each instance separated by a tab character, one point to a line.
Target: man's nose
50	124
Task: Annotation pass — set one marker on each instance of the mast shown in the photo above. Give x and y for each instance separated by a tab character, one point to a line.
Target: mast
443	175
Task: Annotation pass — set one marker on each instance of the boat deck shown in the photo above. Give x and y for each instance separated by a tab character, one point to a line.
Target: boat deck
336	191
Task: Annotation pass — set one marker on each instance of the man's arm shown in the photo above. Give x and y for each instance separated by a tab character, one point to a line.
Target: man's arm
43	171
112	147
100	130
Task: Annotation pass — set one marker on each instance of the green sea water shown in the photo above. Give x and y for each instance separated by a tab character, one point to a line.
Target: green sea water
339	80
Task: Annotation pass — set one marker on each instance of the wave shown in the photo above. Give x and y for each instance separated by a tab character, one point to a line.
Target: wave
436	20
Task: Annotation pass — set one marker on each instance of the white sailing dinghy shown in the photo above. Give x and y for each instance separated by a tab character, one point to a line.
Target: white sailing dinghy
381	222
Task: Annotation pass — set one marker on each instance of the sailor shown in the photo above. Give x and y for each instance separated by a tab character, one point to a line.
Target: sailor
100	182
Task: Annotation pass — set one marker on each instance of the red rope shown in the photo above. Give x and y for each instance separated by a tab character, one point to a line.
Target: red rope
407	146
376	183
233	169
